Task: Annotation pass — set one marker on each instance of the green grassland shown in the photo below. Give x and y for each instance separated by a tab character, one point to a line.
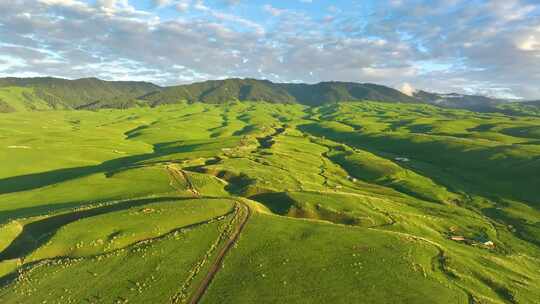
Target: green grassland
22	99
153	271
349	203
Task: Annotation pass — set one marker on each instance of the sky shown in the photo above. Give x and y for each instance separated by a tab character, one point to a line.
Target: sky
465	46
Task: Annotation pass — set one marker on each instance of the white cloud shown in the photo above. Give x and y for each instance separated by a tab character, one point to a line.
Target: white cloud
273	11
383	73
62	2
530	44
183	5
162	3
235	19
9	62
199	5
509	10
530	41
112	7
66	3
493	47
407	89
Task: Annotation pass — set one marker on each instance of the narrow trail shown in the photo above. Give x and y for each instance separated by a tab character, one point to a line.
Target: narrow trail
179	174
218	261
190	185
7	279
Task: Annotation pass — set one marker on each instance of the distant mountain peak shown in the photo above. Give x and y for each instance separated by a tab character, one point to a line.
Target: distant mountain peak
92	92
460	101
219	91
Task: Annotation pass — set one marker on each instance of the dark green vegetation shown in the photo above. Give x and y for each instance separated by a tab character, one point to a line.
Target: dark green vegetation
54	93
350	203
34	94
220	91
47	93
531	108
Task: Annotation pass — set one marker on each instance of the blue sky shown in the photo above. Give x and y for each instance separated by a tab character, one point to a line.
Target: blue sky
489	47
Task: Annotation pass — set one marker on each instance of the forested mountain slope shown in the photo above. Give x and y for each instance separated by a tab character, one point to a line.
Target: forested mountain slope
219	91
90	93
55	93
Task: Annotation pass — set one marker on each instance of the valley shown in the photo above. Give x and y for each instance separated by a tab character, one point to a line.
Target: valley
243	202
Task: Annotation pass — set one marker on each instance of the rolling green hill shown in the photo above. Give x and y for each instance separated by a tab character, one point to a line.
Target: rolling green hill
55	93
533	103
244	202
531	108
220	91
29	94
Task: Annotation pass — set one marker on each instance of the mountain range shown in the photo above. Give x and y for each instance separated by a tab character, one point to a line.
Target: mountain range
460	101
46	93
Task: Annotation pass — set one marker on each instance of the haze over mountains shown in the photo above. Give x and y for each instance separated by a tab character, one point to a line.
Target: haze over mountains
460	101
45	93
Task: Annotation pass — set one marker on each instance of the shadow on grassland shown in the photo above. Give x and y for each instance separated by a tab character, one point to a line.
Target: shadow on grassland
42	179
480	165
282	203
38	233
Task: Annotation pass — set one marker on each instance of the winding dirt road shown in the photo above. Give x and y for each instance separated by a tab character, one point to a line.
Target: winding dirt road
244	213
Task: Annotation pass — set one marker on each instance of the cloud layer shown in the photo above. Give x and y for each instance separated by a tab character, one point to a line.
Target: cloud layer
485	47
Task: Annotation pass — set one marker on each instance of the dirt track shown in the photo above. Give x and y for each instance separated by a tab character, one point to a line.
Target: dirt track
179	174
218	262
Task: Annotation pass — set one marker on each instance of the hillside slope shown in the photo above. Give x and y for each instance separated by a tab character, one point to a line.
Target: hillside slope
352	202
525	108
47	93
219	91
55	93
